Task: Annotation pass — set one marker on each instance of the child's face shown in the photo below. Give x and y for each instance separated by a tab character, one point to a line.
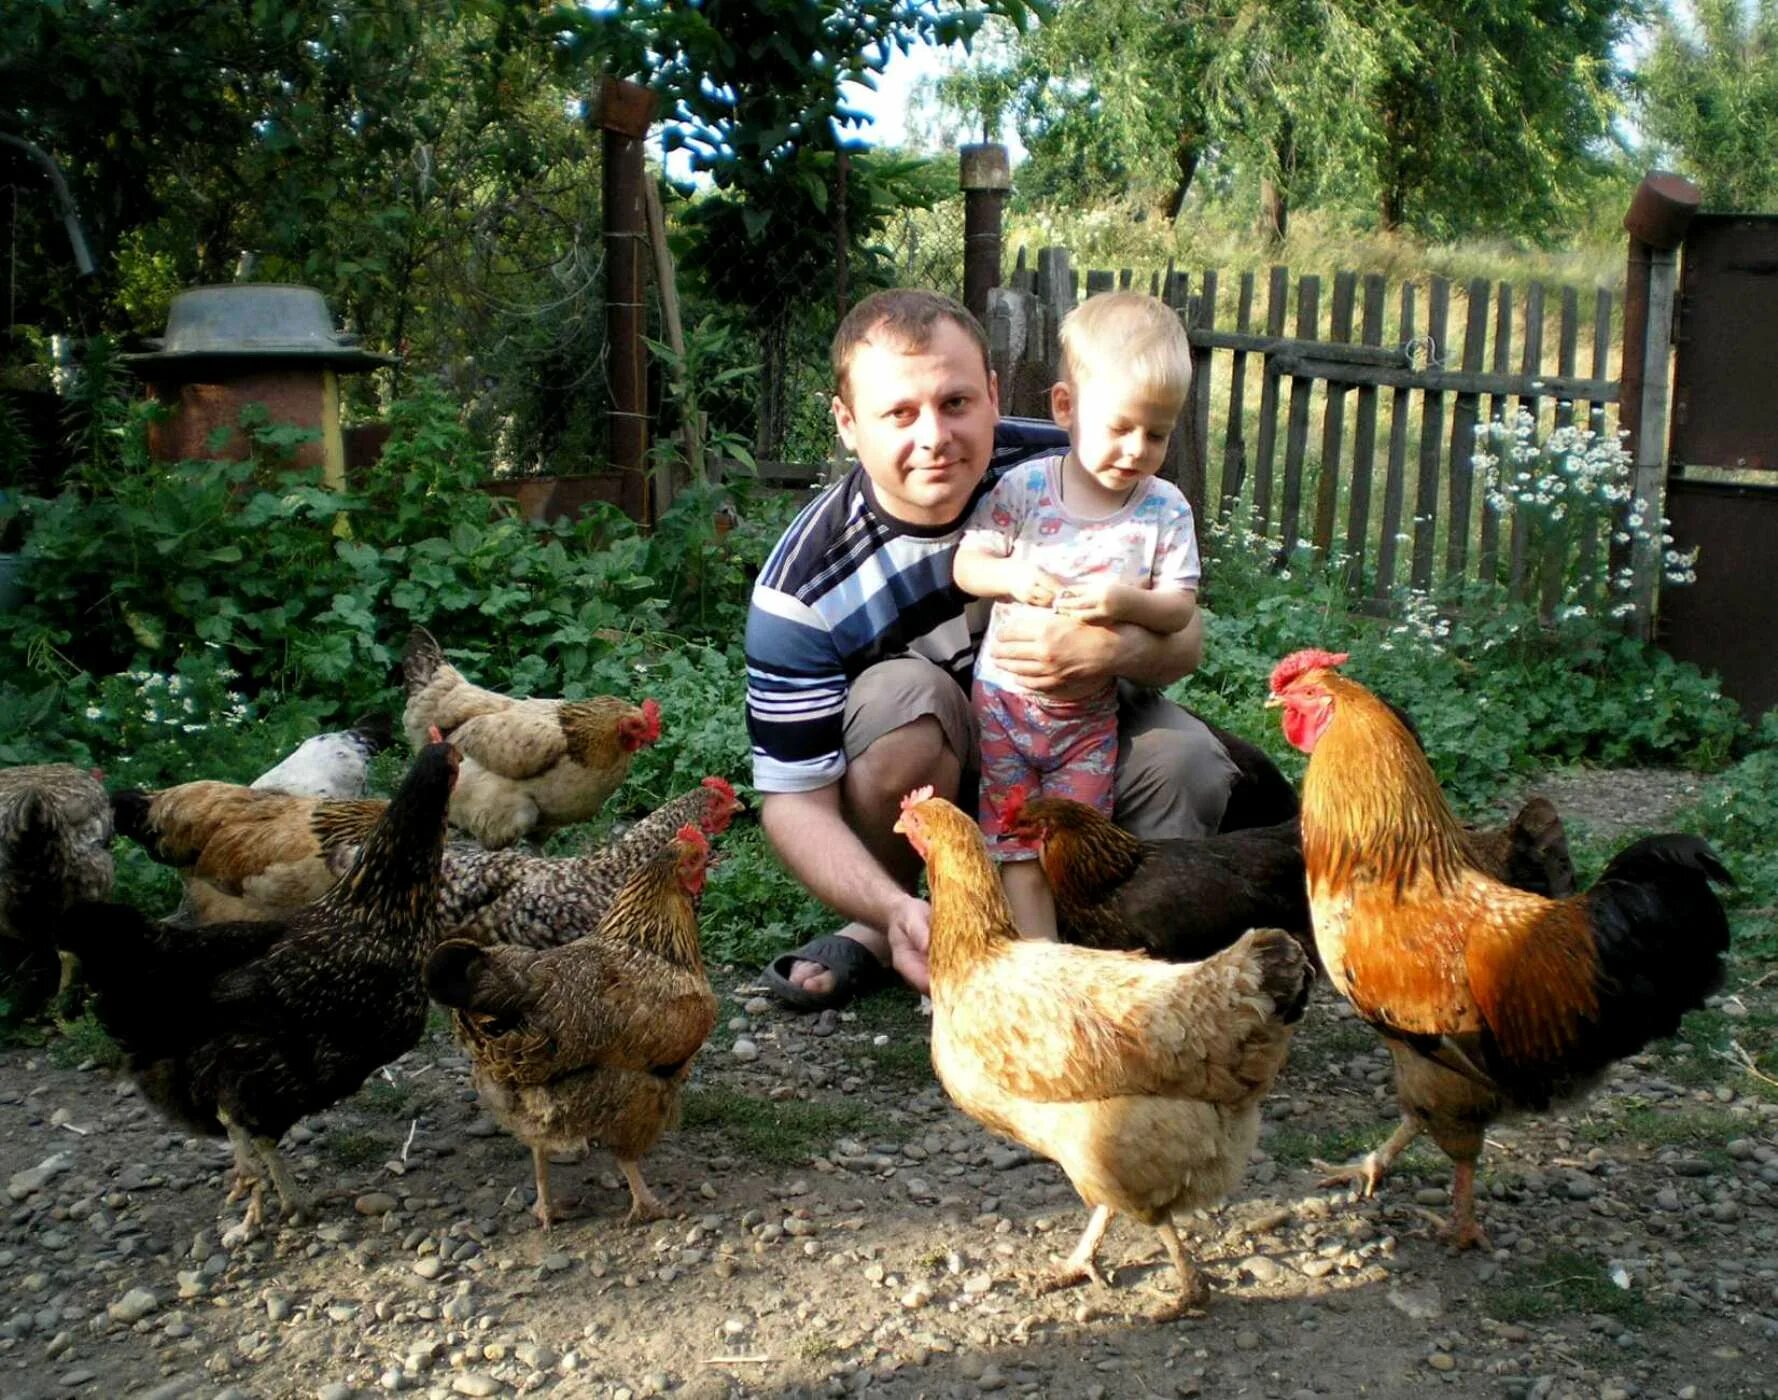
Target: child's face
1119	432
922	422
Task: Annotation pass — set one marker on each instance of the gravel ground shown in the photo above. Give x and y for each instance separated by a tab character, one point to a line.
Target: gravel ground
838	1228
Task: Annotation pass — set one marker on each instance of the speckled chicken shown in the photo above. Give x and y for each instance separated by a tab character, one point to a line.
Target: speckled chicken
245	1028
333	765
539	901
590	1042
55	849
1141	1079
244	854
529	766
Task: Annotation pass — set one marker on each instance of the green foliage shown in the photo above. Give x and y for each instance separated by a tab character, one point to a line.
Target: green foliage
85	1042
1565	1282
781	1131
1710	98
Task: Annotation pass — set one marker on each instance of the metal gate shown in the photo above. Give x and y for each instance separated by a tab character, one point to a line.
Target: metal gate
1722	482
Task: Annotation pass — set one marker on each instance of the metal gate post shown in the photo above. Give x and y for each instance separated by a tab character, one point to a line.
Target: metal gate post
1659	211
984	175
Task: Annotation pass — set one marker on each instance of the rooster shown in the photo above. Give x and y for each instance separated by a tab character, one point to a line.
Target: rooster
529	766
55	850
591	1041
1491	999
1185	898
245	1028
1140	1079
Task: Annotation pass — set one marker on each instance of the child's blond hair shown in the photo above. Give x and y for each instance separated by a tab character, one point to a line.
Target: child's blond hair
1136	339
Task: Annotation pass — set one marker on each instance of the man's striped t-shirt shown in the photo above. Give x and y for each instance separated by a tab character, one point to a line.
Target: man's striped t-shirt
848	586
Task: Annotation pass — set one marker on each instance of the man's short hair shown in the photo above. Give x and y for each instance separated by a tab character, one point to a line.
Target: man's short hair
904	317
1135	339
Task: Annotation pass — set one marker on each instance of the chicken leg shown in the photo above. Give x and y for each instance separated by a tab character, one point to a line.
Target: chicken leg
1461	1230
1082	1266
543	1210
644	1205
1194	1292
1369	1170
290	1197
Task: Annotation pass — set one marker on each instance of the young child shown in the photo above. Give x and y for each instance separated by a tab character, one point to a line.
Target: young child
1094	535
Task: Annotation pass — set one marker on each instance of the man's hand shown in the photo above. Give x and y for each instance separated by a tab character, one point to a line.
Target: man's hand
910	940
1056	655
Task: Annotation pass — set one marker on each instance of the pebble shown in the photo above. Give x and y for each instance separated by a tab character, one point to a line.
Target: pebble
133	1306
34	1179
277	1306
556	1263
745	1050
1262	1270
375	1203
1441	1361
1422	1304
429	1267
339	1390
475	1383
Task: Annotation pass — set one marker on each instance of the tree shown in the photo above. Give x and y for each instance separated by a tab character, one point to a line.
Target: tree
1710	97
753	95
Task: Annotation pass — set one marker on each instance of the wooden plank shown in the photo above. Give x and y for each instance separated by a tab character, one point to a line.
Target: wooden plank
1101	280
1364	439
1488	557
1394	482
1234	441
1447	381
1124	278
1432	432
1023	279
1531	366
1154	284
1464	412
1333	418
1617	554
1296	433
1205	319
1283	345
1277	294
1176	467
1554	561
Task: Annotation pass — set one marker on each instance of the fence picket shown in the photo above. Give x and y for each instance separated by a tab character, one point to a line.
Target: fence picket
1101	280
1234	445
1333	417
1364	437
1463	420
1432	431
1519	578
1296	441
1395	483
1198	488
1277	294
1553	560
1488	557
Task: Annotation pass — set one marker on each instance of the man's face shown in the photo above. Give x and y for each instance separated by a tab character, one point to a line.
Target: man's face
921	422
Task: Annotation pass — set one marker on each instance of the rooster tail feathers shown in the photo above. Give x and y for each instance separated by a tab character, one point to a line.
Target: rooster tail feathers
1660	937
420	660
1539	859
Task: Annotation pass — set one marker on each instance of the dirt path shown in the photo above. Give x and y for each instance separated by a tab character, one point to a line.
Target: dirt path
838	1229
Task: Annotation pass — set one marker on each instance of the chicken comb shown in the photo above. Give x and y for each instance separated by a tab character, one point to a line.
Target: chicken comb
434	735
1012	807
691	836
651	719
1300	662
720	785
916	797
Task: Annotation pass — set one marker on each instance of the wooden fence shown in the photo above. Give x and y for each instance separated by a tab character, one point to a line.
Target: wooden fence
1355	431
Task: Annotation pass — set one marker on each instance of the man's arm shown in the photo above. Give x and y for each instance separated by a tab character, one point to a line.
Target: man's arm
1055	654
810	835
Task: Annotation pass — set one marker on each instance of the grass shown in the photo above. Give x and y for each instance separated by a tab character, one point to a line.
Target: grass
380	1096
1297	1147
784	1132
1565	1282
85	1040
357	1149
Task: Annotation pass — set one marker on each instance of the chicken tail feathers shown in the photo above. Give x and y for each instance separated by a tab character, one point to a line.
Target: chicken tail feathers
1538	859
1286	973
375	731
147	1000
129	816
467	977
1660	938
421	660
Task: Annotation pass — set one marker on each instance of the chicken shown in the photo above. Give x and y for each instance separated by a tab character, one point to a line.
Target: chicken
244	854
1491	999
245	1028
55	850
539	901
591	1041
1186	898
330	765
1260	795
1140	1079
529	766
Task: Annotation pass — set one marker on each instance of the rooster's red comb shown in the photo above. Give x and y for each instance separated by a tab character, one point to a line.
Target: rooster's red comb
689	835
651	719
1012	806
1301	662
916	797
721	786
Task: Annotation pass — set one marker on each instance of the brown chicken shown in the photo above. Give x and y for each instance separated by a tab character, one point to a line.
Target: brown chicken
1140	1079
245	1028
591	1042
1491	999
55	849
541	901
245	854
1186	898
529	766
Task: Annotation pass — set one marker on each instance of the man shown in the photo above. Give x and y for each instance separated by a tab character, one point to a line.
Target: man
860	649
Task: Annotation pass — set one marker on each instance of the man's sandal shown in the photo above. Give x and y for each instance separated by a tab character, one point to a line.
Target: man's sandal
855	971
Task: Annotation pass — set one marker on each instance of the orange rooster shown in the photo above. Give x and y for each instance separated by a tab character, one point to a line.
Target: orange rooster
1140	1079
1491	999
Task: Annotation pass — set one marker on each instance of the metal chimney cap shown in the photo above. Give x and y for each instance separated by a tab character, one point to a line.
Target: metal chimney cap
257	321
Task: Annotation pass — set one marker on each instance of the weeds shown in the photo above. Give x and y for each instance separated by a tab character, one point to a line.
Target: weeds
1565	1282
783	1131
356	1149
85	1040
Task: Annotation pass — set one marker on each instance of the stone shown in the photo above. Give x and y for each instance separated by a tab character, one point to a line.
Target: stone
745	1050
475	1383
133	1306
1422	1303
429	1267
375	1203
34	1179
1441	1361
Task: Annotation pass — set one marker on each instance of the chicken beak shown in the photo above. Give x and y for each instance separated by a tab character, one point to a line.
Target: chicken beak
1274	702
900	827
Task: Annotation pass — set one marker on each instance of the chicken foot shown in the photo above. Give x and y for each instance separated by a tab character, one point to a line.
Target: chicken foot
248	1182
1194	1291
1082	1266
543	1210
1461	1230
290	1197
1369	1170
644	1204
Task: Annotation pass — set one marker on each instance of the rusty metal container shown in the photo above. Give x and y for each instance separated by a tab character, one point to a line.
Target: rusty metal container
229	346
